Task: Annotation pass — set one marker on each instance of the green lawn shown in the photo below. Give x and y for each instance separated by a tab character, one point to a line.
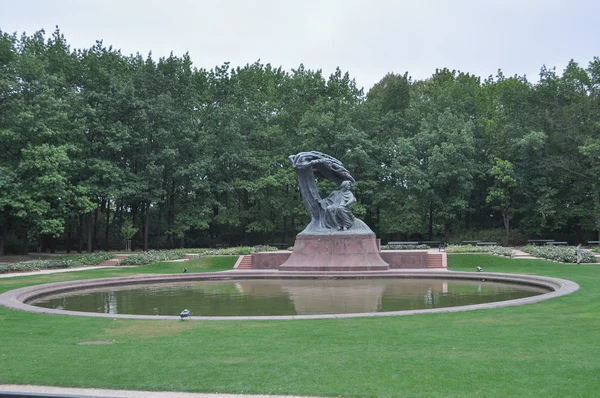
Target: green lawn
548	349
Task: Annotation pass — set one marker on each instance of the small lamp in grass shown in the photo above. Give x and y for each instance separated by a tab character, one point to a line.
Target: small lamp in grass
479	269
185	314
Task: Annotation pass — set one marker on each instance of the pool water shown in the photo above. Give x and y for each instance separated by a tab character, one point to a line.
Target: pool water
272	297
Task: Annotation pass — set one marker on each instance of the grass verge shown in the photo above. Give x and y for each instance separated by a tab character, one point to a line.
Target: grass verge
546	349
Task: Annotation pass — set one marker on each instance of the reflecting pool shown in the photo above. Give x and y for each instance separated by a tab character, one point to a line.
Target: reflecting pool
271	297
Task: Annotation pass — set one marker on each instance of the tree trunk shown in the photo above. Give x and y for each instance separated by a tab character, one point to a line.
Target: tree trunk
430	221
159	224
133	219
80	231
95	241
506	218
90	236
52	244
468	219
171	216
284	229
3	229
26	242
106	245
597	210
447	229
146	225
69	235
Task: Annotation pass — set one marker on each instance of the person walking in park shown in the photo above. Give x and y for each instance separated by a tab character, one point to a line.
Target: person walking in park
578	253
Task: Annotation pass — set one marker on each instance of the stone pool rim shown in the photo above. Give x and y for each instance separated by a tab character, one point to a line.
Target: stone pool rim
18	298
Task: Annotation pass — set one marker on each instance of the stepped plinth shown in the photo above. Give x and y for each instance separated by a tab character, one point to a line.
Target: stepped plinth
339	251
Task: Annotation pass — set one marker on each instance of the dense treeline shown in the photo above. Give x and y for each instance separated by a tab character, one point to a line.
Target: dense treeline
91	140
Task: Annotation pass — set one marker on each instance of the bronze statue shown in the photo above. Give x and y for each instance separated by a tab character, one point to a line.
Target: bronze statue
332	214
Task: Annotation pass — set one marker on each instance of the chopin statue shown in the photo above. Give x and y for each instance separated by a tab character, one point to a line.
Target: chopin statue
328	215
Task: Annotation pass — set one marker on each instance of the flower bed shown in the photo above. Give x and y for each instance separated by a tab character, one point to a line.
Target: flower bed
63	261
155	256
497	250
563	254
404	247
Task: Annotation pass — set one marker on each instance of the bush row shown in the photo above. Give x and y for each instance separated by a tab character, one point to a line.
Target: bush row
63	261
405	247
155	256
498	250
489	235
563	254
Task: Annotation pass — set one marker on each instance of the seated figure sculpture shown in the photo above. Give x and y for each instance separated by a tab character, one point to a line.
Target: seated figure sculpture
337	214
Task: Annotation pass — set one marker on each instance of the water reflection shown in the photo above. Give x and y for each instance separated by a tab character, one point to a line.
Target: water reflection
286	297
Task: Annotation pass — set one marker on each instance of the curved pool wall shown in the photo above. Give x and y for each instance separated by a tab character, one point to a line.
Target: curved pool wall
18	298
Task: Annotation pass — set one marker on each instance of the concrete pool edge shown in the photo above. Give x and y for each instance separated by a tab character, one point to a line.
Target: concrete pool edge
17	298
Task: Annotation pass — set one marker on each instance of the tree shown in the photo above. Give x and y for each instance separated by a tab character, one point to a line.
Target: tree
501	192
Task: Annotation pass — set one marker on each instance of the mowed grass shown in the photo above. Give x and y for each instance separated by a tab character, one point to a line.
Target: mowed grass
548	349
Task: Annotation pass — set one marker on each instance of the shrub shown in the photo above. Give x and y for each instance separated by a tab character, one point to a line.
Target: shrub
264	248
153	256
63	261
156	256
498	250
489	235
563	254
81	259
405	247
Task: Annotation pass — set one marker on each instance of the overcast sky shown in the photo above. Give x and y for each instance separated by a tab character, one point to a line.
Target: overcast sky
367	38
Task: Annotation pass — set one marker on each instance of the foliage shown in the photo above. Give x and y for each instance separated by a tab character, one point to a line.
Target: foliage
128	229
516	238
263	248
404	247
501	192
563	254
155	256
91	140
64	261
152	256
498	250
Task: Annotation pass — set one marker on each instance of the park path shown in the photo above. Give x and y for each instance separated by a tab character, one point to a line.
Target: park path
517	254
102	393
55	271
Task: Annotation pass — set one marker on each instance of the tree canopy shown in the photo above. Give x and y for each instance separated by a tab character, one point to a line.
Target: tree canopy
94	142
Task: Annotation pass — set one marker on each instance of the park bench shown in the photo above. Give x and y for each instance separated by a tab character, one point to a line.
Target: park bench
430	242
487	244
279	245
470	242
402	243
593	242
557	243
539	241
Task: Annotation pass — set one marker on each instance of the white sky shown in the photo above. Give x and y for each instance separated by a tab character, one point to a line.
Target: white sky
367	38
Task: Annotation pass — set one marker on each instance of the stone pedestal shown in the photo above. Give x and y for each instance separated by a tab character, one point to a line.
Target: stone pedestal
335	252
